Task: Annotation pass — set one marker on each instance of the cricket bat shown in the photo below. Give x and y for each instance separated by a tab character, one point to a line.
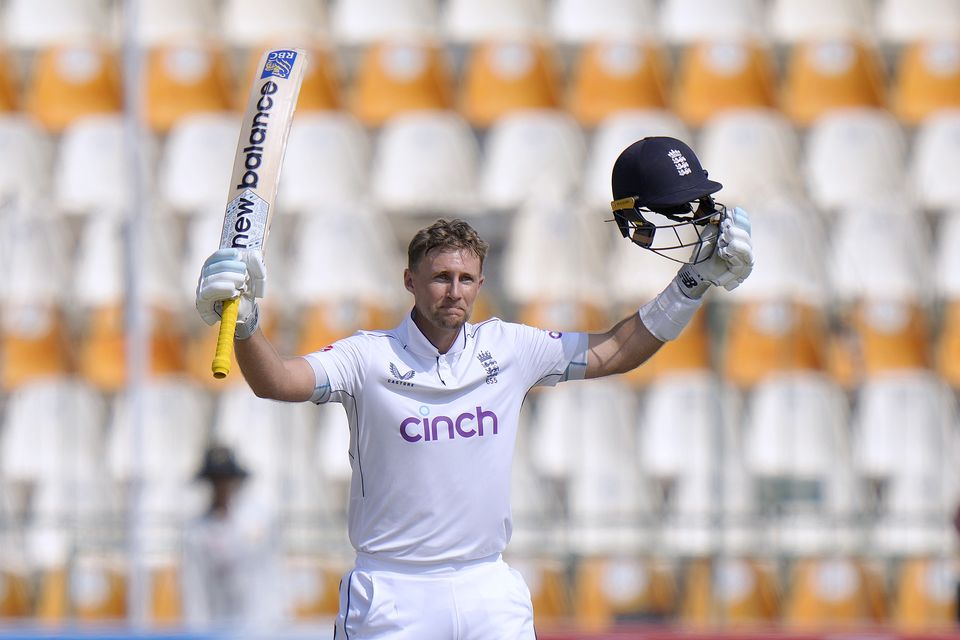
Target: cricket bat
256	171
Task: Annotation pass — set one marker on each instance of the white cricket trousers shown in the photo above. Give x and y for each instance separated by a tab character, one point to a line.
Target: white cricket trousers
478	600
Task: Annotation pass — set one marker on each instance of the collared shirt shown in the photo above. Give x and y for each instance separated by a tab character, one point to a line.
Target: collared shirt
432	435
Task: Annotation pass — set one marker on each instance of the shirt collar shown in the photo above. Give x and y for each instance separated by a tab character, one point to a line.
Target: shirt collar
416	342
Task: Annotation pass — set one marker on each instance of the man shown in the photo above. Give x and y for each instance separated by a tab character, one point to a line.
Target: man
433	404
231	570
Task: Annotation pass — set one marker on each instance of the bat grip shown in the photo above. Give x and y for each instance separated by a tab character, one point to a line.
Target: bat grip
228	326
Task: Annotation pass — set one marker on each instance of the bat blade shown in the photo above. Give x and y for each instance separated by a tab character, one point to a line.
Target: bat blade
256	171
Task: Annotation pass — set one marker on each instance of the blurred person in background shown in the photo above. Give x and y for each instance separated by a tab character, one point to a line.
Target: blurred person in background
231	576
434	403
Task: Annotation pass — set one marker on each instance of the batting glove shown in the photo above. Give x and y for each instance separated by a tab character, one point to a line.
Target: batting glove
729	265
232	273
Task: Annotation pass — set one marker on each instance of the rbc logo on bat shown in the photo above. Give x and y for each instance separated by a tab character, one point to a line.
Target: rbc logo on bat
279	64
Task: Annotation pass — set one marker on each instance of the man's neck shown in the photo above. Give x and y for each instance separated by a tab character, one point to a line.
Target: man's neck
442	339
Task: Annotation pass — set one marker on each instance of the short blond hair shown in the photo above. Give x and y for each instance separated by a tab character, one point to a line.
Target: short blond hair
445	235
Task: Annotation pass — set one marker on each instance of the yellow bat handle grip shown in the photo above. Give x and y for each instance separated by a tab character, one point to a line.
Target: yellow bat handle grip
228	325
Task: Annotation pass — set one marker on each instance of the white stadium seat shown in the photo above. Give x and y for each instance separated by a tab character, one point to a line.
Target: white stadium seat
36	258
34	24
754	153
686	21
360	22
578	22
527	153
947	258
246	23
936	153
636	275
902	21
425	162
26	157
854	155
325	164
467	21
161	22
613	136
793	21
196	162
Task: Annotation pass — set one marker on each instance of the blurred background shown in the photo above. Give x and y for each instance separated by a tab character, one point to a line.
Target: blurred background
789	463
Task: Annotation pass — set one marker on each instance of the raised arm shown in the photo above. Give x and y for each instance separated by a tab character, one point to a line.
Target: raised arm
230	273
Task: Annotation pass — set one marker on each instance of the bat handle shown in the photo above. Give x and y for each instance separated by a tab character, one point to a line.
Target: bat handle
228	325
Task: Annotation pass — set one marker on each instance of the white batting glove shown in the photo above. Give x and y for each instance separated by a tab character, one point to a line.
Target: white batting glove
228	274
729	265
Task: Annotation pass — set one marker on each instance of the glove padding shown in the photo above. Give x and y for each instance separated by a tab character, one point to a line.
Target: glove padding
227	274
729	265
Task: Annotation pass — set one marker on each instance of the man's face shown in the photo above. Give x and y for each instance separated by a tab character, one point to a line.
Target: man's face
445	284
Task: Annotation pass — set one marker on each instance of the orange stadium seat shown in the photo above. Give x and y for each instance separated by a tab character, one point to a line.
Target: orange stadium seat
326	322
927	80
731	591
612	589
689	352
320	90
17	600
947	348
719	75
826	592
34	344
315	593
925	597
97	589
9	83
616	76
70	81
198	348
507	75
184	79
399	76
825	75
549	589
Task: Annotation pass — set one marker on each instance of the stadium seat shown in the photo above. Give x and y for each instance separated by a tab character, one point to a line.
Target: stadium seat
507	75
825	592
320	89
400	76
778	317
797	454
98	287
364	22
465	21
550	588
719	75
947	346
528	152
185	79
580	22
26	162
936	152
97	589
879	265
795	21
618	588
161	22
314	586
569	296
246	24
425	162
683	22
98	184
37	24
730	591
925	594
325	165
34	337
686	417
617	75
610	138
822	76
10	80
927	80
903	21
70	81
854	155
196	161
911	473
17	599
754	154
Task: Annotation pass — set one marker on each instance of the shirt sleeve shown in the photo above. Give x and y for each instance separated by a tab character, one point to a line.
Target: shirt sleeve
549	357
338	368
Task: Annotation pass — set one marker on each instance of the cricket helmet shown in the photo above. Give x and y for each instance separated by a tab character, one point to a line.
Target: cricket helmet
662	199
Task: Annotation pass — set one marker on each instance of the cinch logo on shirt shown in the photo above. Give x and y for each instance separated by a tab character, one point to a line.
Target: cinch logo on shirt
465	425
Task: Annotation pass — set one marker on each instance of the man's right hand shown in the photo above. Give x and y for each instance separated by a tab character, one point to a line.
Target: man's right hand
227	274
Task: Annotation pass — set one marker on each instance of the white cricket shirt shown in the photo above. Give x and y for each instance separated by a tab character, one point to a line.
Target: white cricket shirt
432	435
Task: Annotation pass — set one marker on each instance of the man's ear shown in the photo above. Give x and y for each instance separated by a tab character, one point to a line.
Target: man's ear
408	280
